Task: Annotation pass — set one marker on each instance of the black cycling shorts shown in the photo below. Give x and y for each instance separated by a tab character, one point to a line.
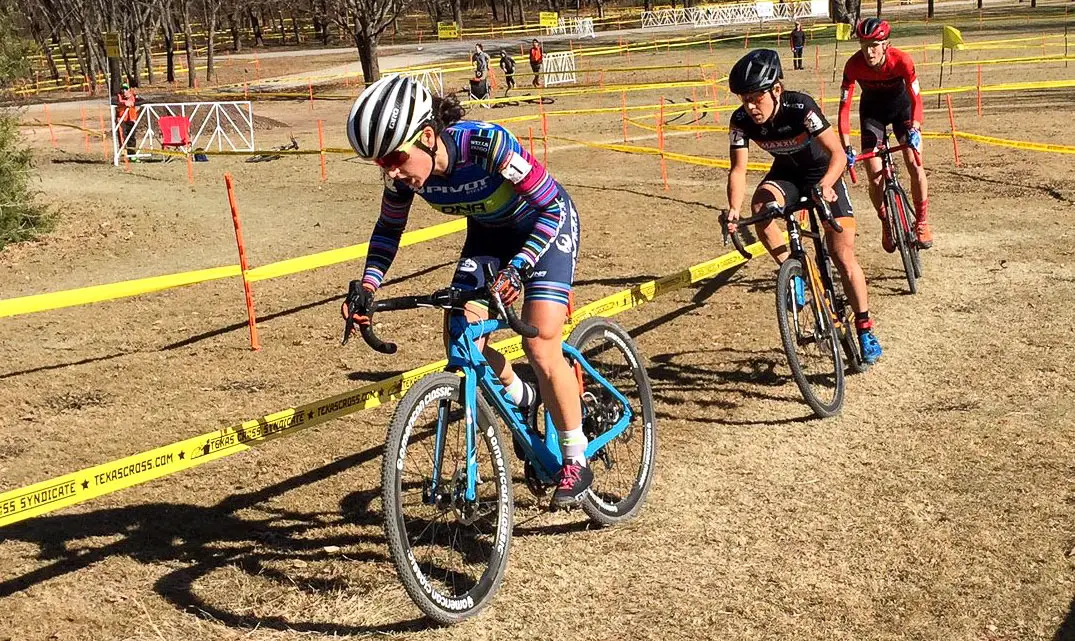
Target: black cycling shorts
875	115
794	188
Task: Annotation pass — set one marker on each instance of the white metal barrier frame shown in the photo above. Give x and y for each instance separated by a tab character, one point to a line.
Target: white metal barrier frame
731	14
581	27
559	68
433	79
223	121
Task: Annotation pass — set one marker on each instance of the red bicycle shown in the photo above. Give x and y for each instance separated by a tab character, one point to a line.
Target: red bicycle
901	213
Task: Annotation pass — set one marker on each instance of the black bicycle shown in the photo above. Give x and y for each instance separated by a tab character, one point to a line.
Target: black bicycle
814	315
901	214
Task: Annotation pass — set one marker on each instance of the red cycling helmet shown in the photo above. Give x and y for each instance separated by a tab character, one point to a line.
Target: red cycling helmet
873	29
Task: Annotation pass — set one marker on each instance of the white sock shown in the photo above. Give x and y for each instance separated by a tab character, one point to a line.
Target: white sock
573	445
520	392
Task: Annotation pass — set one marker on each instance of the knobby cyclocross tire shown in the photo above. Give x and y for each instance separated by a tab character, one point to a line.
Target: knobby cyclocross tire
896	215
433	575
623	469
822	339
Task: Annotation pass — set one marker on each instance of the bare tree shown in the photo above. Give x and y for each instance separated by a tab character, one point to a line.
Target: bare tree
366	20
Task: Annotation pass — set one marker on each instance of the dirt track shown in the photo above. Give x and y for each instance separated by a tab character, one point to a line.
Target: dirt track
938	505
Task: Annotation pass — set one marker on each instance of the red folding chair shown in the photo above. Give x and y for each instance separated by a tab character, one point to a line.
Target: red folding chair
175	132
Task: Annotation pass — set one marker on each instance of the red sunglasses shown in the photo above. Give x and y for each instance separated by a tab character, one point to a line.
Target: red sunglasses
396	159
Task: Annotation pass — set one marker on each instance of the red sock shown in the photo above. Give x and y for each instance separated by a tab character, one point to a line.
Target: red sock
922	209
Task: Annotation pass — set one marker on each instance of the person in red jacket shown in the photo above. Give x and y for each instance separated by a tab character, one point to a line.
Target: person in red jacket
890	96
536	56
127	114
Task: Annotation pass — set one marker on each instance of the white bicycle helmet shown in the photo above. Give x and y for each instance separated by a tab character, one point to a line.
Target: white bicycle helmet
389	112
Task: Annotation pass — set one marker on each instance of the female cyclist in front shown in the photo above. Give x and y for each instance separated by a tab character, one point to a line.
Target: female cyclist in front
519	219
806	153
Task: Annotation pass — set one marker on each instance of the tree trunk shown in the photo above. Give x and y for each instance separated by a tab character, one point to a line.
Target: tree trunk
647	5
457	13
133	55
522	13
367	54
233	26
210	50
43	44
929	8
85	61
879	8
147	53
169	51
600	9
63	53
259	40
188	44
280	27
492	5
295	28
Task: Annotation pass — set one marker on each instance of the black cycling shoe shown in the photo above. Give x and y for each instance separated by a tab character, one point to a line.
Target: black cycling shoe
574	481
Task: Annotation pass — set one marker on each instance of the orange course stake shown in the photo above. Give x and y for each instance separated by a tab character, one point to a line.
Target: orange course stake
952	124
310	86
623	113
104	136
321	142
48	119
660	144
979	91
530	137
190	169
817	58
251	318
85	129
694	108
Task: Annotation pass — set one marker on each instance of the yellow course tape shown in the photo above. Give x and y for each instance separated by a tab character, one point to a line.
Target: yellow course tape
124	289
86	484
704	161
1015	144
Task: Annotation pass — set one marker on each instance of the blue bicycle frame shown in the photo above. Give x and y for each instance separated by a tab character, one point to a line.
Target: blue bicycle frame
465	358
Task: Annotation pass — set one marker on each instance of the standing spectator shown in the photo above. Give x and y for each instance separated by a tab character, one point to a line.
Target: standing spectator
536	57
507	64
481	61
127	113
798	41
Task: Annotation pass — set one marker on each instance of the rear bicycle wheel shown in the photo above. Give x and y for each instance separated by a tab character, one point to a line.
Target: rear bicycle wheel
896	220
450	552
810	342
623	469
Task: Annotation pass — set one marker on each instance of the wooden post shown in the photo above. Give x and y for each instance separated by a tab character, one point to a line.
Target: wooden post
952	124
817	58
251	318
105	137
835	57
190	169
321	143
940	82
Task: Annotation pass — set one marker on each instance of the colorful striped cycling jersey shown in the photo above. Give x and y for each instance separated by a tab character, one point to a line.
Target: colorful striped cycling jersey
894	81
492	180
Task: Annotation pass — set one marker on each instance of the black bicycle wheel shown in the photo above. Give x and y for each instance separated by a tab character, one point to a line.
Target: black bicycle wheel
623	469
893	205
912	237
450	553
810	343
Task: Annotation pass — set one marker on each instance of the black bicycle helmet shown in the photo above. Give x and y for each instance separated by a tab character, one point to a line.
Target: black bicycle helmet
759	70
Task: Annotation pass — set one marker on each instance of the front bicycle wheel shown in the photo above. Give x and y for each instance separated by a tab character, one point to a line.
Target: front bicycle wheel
623	468
450	551
810	341
898	229
848	334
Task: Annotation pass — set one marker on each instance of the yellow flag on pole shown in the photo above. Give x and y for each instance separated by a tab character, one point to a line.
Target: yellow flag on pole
951	38
843	31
